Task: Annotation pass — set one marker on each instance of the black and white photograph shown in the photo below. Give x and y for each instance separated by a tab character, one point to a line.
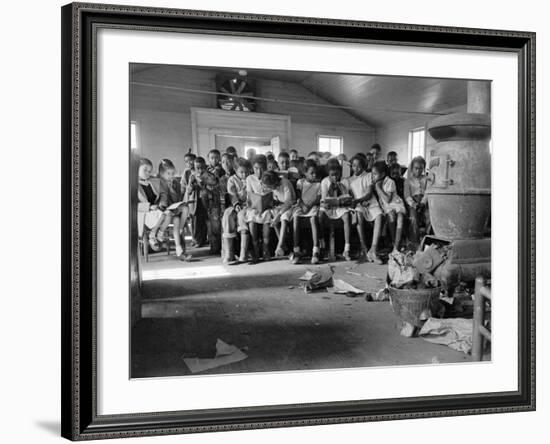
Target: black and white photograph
295	220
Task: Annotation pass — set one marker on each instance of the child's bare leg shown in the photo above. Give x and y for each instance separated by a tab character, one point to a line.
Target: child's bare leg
279	252
413	226
166	221
362	239
296	254
245	239
155	229
266	233
391	224
314	231
153	242
180	248
255	241
321	230
398	231
372	256
347	235
315	238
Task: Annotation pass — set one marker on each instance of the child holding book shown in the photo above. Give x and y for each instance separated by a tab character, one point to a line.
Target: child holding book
416	198
171	203
257	215
361	186
284	198
234	217
391	203
149	214
308	191
335	200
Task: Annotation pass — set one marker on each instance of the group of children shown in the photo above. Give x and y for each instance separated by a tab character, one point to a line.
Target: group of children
255	198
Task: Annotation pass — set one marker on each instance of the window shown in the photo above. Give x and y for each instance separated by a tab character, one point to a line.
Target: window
133	135
417	143
332	144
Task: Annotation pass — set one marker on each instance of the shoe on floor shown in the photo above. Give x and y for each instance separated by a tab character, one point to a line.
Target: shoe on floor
373	257
295	260
315	258
346	255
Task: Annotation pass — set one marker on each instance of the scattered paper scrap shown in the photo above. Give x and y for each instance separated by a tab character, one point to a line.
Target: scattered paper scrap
453	332
342	287
381	295
225	354
317	279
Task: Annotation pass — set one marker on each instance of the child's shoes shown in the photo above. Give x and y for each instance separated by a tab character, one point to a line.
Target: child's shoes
153	243
315	258
373	257
295	258
346	255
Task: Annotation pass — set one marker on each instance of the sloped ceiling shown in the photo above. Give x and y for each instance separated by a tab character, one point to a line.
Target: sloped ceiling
375	100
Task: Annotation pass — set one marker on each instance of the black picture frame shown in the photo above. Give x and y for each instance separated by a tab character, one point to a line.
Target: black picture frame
79	396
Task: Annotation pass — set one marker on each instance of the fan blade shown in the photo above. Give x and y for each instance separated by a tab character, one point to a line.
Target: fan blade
241	87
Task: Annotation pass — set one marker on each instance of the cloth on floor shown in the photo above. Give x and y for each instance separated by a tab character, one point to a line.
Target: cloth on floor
453	332
225	354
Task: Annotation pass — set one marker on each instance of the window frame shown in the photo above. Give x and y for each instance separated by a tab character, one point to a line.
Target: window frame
327	136
410	142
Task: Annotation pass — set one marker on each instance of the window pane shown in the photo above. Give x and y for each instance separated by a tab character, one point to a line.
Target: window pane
133	135
324	144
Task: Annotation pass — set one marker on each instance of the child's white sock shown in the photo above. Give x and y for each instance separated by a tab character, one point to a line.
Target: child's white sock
346	247
315	250
296	249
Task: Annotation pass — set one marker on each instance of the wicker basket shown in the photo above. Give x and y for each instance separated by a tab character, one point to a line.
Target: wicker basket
414	306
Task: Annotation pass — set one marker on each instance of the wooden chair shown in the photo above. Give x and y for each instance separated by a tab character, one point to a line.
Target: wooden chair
143	242
480	333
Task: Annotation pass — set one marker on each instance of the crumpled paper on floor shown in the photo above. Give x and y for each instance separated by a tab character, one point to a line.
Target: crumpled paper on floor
401	270
225	354
317	279
453	332
342	287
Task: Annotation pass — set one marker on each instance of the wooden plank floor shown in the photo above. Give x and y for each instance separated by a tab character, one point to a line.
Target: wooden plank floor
190	305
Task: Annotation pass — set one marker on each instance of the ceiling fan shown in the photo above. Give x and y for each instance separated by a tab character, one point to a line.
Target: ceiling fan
236	93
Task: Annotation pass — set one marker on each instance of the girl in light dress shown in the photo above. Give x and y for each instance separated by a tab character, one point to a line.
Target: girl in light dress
149	214
367	208
252	216
234	216
333	186
307	206
284	197
391	203
170	193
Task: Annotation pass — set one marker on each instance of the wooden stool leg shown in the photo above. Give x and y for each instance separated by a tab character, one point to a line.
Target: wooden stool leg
479	316
145	244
